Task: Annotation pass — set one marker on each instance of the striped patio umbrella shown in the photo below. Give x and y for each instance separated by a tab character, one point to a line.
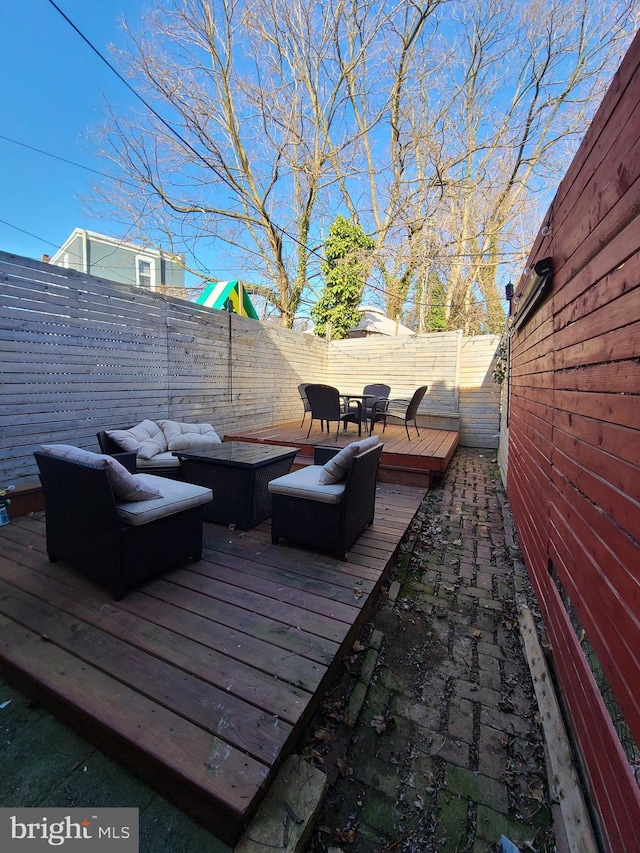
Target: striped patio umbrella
217	293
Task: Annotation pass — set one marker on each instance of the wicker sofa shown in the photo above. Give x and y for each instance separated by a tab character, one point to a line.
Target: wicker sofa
153	444
327	505
117	542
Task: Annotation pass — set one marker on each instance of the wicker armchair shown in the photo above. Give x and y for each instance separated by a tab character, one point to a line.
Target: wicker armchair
402	410
306	406
325	406
330	518
85	528
373	394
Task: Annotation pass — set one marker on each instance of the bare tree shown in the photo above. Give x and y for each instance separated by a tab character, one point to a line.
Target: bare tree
530	76
435	124
238	150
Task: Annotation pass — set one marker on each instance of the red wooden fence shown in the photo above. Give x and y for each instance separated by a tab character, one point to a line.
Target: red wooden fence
574	451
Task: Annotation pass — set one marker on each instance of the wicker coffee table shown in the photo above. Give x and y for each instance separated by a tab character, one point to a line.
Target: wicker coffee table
238	473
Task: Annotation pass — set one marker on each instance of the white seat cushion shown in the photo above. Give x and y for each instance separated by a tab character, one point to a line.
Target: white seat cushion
305	483
176	497
160	460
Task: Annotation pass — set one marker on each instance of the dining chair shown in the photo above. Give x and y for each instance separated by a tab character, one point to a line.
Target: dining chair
372	394
404	410
302	390
326	406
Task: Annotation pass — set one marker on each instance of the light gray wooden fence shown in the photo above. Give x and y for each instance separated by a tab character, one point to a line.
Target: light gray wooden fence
79	354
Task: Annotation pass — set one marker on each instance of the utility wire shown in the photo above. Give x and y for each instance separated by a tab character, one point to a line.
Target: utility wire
64	160
170	128
28	233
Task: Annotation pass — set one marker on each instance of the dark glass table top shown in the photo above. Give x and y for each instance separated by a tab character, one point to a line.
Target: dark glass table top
241	453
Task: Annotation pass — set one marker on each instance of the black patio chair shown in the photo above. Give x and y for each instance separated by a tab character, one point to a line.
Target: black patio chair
332	523
403	410
325	406
373	394
302	390
85	526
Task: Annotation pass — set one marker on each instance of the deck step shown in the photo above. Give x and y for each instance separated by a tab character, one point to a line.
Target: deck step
401	474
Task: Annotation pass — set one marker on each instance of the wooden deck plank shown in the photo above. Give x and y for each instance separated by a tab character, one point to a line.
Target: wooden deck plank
329	625
245	727
201	680
182	760
165	643
429	453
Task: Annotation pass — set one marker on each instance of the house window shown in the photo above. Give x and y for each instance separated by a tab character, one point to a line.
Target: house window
145	269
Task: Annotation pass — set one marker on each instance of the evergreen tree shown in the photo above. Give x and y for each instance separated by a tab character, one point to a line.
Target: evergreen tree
345	270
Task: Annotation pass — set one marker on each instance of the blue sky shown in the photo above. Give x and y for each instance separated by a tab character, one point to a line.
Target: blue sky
52	96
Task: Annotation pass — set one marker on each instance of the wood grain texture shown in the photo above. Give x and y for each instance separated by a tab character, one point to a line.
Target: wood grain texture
79	354
574	449
202	680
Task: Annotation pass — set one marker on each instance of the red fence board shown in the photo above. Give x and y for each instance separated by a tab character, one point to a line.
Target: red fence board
574	448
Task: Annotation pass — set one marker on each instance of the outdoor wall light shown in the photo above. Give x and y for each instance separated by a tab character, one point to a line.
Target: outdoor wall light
508	291
535	290
546	229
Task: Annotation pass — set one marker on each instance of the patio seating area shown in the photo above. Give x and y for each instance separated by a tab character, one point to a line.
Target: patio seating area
416	461
201	680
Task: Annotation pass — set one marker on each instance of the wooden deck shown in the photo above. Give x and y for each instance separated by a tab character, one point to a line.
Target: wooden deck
200	681
411	462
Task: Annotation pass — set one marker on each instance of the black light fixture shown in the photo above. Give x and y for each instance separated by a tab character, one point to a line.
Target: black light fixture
508	291
534	292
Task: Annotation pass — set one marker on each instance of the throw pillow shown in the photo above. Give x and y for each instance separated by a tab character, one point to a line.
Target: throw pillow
368	442
181	436
125	486
146	439
336	468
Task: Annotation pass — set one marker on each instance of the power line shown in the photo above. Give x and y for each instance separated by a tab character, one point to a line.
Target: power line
28	233
171	129
179	137
65	160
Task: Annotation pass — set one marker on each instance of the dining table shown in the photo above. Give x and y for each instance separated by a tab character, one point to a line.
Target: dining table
359	399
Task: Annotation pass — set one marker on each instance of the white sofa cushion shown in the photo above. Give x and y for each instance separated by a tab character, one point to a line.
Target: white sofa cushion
182	436
160	460
176	497
305	483
125	486
146	439
336	468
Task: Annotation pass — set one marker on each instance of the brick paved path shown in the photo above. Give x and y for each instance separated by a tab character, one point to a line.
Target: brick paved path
444	750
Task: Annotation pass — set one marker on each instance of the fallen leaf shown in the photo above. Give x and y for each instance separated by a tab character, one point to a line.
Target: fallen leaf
348	835
322	734
358	593
383	724
358	646
536	794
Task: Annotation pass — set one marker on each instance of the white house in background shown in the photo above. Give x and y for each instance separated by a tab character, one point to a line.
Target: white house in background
117	260
373	321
